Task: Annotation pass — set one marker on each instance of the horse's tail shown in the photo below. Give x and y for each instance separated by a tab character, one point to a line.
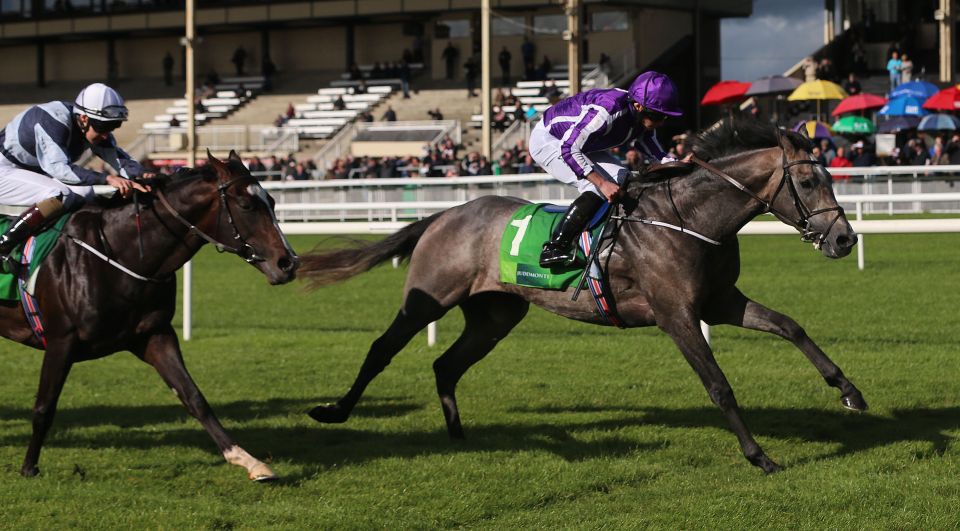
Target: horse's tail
322	268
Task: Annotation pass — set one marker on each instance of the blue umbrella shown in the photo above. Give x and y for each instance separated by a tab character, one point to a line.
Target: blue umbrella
939	122
916	89
904	106
898	123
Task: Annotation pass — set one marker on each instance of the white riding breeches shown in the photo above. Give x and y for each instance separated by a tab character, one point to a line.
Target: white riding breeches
24	187
545	149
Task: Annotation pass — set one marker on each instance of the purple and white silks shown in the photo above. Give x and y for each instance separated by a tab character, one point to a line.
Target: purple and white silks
595	121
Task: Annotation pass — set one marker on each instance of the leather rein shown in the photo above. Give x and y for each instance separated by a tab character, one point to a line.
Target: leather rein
244	249
802	223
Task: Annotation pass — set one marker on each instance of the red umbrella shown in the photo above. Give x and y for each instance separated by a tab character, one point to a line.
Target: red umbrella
860	102
947	99
725	92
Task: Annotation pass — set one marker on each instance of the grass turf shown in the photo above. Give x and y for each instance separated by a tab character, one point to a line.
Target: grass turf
568	425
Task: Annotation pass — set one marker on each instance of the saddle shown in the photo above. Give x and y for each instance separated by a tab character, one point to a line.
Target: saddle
30	255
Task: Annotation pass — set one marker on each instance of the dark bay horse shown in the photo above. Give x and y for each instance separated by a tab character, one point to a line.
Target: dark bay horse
657	276
92	308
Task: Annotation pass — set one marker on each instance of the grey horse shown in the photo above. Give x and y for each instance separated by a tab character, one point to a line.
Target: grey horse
657	276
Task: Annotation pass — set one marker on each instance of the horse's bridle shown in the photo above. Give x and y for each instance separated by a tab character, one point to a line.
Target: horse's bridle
802	224
244	249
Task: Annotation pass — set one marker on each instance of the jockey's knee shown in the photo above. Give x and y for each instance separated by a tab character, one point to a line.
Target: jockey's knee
50	207
76	198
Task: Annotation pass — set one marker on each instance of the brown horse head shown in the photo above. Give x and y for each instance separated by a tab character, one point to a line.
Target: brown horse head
237	215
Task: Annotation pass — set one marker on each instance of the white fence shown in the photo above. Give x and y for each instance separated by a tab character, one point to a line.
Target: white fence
386	205
872	182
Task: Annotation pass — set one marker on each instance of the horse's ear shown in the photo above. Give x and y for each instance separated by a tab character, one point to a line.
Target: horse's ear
214	161
804	133
218	166
234	156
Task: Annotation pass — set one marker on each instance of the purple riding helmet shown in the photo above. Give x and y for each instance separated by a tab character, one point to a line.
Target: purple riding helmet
657	92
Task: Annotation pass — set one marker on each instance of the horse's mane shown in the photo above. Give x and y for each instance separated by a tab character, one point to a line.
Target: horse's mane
730	137
161	181
167	181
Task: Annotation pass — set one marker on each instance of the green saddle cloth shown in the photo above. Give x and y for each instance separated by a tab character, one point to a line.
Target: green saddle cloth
521	245
42	245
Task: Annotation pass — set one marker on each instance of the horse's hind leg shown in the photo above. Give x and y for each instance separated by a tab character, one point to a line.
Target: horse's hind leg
418	311
489	318
736	309
53	374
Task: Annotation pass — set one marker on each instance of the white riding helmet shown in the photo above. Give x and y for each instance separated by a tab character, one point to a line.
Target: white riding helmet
100	102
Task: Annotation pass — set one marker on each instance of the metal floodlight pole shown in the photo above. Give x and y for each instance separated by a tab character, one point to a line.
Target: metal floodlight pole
573	36
191	152
485	106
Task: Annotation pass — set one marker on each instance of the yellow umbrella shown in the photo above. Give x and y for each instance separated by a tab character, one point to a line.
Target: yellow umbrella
818	90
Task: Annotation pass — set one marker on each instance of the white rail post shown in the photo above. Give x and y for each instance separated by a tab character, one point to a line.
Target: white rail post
705	329
432	334
860	264
187	299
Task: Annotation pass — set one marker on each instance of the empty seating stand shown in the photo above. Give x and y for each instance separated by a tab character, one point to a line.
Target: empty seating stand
230	94
317	118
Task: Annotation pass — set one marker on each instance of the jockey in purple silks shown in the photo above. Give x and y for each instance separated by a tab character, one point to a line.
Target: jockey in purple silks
572	140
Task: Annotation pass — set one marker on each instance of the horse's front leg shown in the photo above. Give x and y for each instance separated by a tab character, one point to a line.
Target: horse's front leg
162	351
684	328
53	374
736	309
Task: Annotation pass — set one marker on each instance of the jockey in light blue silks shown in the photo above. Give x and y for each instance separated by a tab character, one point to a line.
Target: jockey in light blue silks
38	149
570	144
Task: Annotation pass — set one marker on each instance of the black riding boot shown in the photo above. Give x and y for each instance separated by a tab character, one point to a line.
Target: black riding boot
560	250
28	224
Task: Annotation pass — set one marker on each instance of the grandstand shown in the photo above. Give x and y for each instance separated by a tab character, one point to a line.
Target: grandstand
295	48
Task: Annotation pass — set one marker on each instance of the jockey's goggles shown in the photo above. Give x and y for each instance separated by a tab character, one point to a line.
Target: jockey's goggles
101	126
107	114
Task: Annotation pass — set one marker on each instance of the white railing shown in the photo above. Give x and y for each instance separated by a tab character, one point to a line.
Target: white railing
339	145
286	142
519	129
890	195
447	127
221	138
377	215
336	147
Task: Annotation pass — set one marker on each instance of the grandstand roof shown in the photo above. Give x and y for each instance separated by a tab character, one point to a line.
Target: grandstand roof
21	22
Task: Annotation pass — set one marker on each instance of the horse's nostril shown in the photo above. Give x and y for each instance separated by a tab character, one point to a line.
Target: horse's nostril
844	241
286	265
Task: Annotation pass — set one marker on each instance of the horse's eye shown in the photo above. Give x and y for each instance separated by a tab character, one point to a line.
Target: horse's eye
807	184
244	202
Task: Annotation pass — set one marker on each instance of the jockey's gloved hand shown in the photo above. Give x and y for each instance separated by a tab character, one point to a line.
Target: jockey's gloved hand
667	159
125	186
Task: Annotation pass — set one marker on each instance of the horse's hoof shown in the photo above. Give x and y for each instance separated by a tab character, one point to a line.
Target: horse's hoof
771	467
854	401
261	473
29	471
328	414
765	463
